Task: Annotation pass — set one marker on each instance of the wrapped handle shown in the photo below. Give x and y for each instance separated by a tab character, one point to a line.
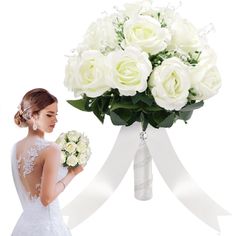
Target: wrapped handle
143	171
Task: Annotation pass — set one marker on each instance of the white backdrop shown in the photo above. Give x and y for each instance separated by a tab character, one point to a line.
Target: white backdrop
35	37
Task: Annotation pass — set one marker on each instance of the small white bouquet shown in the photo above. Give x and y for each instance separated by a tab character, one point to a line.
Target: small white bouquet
75	150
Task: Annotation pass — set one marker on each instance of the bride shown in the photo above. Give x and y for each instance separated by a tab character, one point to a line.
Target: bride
39	178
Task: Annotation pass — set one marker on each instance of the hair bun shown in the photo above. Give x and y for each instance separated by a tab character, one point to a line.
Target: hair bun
19	119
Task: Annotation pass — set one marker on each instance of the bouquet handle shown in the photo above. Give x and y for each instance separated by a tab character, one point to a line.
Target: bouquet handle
143	171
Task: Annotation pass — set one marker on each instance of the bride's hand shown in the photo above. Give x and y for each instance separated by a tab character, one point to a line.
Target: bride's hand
76	170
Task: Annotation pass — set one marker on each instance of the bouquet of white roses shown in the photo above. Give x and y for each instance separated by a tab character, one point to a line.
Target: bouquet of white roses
75	149
142	63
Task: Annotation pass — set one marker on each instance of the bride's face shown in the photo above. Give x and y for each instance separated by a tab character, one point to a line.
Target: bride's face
47	118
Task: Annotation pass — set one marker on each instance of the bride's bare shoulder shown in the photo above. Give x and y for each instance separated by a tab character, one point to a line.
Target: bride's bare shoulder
20	143
52	150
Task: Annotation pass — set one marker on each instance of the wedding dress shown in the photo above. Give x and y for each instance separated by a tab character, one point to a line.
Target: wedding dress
36	219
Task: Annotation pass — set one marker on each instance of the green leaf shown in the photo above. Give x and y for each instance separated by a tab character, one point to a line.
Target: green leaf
105	104
123	105
163	119
97	111
147	100
135	99
153	108
116	119
159	116
193	106
153	123
168	121
185	115
132	119
79	104
142	97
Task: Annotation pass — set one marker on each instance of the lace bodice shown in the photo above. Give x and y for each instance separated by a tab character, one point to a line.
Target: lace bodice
27	168
30	165
29	158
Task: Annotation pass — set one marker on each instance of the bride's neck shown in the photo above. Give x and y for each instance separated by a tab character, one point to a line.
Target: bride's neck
35	134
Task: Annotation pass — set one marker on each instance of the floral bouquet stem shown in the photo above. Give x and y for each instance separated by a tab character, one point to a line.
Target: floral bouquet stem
143	171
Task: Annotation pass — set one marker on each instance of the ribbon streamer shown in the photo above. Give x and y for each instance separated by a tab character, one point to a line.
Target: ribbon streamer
179	180
108	178
173	172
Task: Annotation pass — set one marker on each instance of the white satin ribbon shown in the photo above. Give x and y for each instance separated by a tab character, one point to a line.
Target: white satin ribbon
179	180
108	178
176	177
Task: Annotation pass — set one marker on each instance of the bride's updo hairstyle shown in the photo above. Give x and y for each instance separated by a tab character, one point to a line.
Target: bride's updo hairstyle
32	103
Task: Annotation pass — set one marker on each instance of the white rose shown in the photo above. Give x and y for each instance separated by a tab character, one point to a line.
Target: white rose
170	84
71	160
207	56
130	70
205	76
73	135
146	33
70	147
137	8
101	34
167	14
185	36
81	147
84	139
87	74
88	152
82	159
61	140
209	84
63	157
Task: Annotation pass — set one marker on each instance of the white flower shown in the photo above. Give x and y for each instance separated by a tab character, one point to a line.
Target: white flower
137	8
73	136
167	14
87	74
146	33
71	160
185	36
82	159
80	49
88	152
101	34
81	147
205	76
130	70
170	84
84	139
61	140
63	157
70	147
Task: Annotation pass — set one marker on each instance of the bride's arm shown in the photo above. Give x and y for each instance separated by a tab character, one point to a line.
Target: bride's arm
50	188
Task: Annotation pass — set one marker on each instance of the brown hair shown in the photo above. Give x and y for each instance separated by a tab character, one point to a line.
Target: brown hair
32	103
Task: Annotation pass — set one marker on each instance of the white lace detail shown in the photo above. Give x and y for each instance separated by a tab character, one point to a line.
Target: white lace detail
37	187
18	162
36	219
31	155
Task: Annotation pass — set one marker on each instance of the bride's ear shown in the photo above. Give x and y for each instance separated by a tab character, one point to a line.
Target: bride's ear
35	117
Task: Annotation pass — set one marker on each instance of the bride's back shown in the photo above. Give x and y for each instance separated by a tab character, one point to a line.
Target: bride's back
30	159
